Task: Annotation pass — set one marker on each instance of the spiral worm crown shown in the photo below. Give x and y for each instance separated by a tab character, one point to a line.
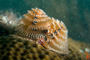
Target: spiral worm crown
50	33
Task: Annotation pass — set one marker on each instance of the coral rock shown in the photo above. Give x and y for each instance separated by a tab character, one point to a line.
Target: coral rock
19	49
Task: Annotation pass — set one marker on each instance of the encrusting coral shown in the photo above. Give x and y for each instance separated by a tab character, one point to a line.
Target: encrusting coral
38	27
19	49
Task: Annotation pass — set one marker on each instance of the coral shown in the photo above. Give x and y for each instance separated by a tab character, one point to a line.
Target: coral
74	54
6	30
18	49
78	44
42	29
9	18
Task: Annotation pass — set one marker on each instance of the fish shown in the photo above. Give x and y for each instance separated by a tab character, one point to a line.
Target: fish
37	26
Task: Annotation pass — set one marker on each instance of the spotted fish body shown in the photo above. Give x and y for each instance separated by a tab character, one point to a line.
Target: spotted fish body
49	32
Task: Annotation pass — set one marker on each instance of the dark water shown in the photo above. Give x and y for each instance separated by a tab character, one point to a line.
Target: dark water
74	13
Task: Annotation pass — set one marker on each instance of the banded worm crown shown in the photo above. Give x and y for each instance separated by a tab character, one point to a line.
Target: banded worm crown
49	32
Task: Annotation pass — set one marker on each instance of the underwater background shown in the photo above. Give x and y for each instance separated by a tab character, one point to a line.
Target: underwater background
74	13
